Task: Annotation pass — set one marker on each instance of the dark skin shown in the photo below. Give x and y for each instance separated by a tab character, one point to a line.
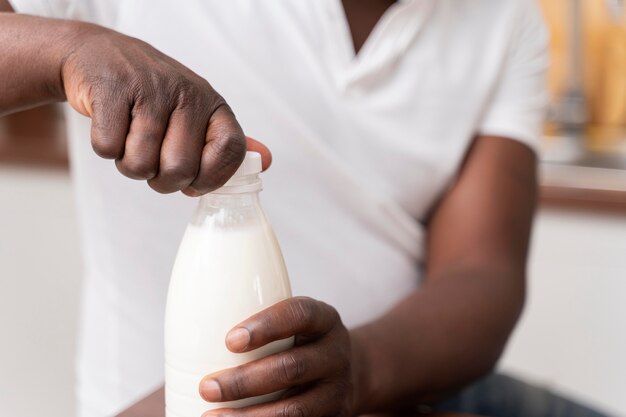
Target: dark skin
473	292
443	335
362	16
167	126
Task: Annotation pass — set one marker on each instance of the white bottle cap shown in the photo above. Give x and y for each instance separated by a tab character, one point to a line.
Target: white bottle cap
251	165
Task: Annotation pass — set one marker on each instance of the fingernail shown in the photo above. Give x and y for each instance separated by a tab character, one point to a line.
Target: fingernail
238	339
210	390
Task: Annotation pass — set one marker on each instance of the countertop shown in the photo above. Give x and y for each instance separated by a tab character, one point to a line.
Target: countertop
586	171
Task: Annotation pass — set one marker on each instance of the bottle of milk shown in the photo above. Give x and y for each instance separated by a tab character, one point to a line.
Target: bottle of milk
229	266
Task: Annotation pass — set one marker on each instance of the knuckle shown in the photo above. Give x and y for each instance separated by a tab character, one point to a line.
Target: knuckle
225	154
150	95
303	310
106	89
216	101
159	187
268	322
290	368
212	99
238	387
158	80
108	121
102	87
106	146
230	149
140	86
187	94
179	172
206	181
137	168
293	409
206	186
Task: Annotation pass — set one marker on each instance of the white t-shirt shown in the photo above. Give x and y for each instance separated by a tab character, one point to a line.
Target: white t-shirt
362	146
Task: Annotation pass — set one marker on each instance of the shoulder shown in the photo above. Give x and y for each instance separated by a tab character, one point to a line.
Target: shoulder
499	24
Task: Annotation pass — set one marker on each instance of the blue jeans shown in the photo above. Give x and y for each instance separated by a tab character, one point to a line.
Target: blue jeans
499	395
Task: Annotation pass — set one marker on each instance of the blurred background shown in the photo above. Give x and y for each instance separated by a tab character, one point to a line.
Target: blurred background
572	336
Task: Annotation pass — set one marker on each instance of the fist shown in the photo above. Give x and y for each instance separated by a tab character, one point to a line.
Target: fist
156	118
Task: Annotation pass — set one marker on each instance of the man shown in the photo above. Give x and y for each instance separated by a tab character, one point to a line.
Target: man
402	189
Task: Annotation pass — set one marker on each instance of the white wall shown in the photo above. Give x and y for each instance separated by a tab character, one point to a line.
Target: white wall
572	336
573	333
39	285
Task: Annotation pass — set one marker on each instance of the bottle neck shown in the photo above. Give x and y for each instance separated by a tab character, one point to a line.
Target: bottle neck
241	185
234	205
213	201
237	192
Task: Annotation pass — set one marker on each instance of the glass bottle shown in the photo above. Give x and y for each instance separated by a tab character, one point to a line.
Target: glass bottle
229	266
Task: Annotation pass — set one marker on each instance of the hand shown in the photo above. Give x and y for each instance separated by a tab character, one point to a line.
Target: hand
320	371
159	120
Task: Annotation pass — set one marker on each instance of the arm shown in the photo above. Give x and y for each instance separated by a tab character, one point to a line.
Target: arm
157	119
443	335
453	329
29	65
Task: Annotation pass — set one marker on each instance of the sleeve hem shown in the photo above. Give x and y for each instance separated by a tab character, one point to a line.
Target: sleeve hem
524	136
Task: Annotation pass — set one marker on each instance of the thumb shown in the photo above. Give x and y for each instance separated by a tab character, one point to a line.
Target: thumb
256	146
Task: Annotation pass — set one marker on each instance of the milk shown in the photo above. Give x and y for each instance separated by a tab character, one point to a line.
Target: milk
229	266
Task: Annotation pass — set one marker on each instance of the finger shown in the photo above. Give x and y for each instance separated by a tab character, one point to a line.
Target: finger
321	400
143	144
300	316
251	145
283	370
180	152
222	154
110	121
256	146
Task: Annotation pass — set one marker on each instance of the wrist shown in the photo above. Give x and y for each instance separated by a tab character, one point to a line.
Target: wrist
33	50
73	37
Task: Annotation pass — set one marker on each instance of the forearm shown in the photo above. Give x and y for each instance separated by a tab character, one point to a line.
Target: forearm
32	51
440	337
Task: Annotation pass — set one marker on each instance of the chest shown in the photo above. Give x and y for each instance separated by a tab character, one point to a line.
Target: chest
401	113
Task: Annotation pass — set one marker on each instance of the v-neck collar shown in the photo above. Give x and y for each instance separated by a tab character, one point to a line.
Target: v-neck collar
391	37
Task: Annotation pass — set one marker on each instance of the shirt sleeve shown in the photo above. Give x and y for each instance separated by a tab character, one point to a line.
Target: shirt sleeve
518	104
